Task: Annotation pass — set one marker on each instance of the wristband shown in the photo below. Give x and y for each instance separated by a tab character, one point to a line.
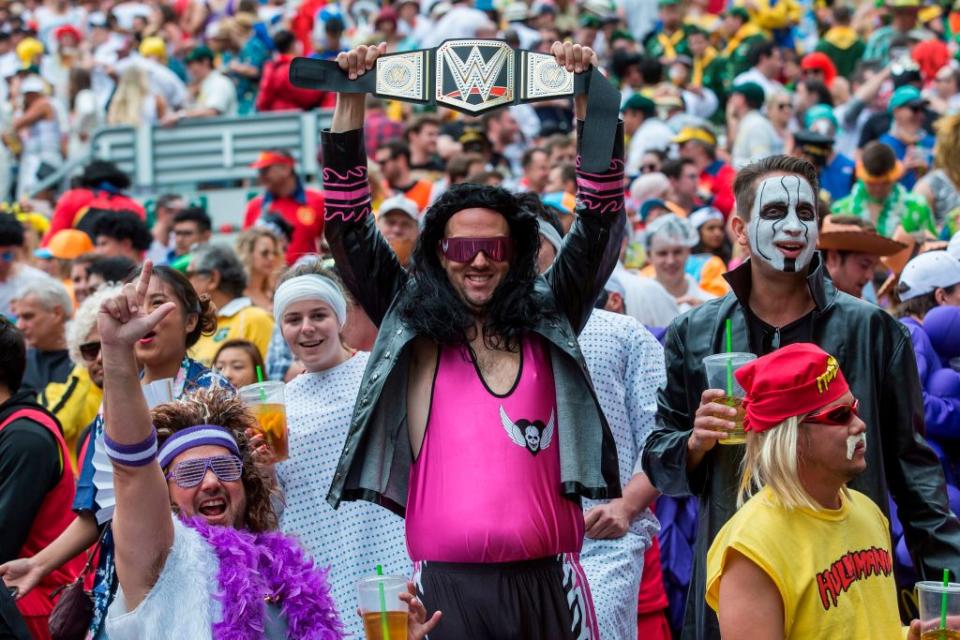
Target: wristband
131	455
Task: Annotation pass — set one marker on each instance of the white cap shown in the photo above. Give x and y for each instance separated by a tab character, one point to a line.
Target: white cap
516	12
954	247
927	273
400	203
33	84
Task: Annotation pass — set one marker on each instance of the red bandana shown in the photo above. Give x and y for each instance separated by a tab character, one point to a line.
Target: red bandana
792	381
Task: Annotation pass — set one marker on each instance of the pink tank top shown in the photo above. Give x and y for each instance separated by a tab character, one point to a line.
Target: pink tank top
486	486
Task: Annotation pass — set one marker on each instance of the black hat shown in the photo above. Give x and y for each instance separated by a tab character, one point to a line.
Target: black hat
100	171
813	143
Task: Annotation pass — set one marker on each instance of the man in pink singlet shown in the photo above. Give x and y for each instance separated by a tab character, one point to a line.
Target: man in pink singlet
476	418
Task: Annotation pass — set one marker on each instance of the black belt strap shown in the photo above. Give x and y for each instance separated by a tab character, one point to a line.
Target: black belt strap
476	76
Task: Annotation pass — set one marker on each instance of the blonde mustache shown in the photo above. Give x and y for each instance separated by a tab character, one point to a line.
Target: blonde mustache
853	441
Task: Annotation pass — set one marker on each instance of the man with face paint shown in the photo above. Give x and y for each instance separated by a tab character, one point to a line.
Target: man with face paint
781	295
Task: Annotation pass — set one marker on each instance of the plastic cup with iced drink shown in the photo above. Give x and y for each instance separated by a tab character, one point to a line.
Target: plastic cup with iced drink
267	404
720	369
939	605
384	613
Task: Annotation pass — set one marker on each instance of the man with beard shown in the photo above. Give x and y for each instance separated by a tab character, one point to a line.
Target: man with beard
477	419
781	296
397	223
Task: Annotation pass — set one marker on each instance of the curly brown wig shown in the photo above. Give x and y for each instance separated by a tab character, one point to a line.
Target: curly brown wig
223	408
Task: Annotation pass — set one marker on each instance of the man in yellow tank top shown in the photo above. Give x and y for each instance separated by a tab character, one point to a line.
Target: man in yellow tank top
804	556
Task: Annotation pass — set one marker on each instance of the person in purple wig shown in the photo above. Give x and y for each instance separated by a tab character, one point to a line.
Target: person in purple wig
221	558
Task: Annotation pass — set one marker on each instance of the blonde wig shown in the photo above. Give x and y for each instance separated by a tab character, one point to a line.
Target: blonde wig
773	459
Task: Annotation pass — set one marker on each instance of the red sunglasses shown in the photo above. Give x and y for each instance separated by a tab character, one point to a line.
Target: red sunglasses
464	250
839	415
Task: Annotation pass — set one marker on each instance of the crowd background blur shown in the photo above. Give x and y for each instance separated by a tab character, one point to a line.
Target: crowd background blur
868	91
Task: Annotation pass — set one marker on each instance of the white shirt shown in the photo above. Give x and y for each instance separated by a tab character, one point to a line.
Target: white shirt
458	22
163	81
358	535
627	366
756	138
652	134
218	92
646	300
753	75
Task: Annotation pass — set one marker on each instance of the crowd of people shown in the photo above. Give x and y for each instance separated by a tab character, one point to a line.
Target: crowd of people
492	358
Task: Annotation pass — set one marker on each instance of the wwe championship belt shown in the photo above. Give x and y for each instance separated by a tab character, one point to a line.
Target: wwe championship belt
474	76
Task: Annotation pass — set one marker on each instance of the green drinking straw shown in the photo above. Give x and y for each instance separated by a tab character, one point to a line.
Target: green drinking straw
943	602
263	394
729	361
384	627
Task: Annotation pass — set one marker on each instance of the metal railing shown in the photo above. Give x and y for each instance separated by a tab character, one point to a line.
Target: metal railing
201	151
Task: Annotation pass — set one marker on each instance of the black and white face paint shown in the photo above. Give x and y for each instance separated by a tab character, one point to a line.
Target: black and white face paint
783	223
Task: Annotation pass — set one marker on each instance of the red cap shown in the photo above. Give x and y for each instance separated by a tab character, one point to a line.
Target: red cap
820	61
270	158
65	30
792	381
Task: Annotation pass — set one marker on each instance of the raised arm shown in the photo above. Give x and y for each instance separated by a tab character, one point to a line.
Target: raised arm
142	523
365	262
592	247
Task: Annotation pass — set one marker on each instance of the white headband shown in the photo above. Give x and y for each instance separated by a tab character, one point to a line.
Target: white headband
309	287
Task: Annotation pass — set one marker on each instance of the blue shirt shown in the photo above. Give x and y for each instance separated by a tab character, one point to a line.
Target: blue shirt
909	178
837	177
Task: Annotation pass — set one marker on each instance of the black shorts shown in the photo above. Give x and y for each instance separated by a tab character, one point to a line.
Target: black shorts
543	599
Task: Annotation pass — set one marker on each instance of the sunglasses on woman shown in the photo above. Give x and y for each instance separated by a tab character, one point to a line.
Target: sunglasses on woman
90	350
190	473
838	415
464	250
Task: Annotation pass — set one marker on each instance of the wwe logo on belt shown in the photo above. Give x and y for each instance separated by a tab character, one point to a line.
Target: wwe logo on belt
475	75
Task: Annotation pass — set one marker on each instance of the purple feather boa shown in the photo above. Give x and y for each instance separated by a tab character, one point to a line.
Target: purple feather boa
257	566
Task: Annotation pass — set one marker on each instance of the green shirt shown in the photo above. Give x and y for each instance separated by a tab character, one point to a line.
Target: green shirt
901	208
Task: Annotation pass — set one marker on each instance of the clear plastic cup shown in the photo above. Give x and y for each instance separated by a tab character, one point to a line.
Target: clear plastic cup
931	597
268	406
384	618
720	376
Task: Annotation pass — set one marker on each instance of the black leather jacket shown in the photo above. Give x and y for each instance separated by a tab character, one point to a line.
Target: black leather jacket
376	459
876	357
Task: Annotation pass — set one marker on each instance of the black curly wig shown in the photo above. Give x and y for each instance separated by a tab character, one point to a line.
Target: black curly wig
434	309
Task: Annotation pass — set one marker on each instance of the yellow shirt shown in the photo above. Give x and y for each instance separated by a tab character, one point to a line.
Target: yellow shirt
75	403
833	568
237	320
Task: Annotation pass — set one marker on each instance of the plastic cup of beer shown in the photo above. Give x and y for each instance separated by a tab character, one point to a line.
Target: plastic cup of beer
384	613
720	369
939	610
266	402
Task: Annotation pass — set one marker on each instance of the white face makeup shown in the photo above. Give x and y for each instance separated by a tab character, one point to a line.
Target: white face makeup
783	223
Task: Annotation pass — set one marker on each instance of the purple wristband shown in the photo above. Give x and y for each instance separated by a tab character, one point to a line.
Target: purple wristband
132	455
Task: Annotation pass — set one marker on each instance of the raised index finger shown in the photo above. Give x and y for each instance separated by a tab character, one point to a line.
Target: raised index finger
144	282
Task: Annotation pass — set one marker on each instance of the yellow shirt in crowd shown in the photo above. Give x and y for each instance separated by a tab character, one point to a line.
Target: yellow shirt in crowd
833	568
75	402
237	320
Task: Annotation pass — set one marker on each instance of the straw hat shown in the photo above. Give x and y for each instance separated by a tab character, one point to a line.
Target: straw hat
849	237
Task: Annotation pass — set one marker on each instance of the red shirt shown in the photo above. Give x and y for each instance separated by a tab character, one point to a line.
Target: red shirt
73	204
306	216
278	94
718	179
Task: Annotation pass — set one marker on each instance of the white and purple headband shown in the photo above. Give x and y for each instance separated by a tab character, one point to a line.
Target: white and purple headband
198	436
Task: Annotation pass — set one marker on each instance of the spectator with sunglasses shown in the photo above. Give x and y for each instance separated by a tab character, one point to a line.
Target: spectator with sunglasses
222	553
911	143
76	401
476	419
770	566
161	354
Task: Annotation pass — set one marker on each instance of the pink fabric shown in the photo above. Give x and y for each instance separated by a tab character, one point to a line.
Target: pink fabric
486	485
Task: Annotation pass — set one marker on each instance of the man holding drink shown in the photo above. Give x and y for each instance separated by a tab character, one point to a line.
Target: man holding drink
780	296
804	556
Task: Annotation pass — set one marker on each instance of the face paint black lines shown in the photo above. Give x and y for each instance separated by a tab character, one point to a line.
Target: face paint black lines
778	233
